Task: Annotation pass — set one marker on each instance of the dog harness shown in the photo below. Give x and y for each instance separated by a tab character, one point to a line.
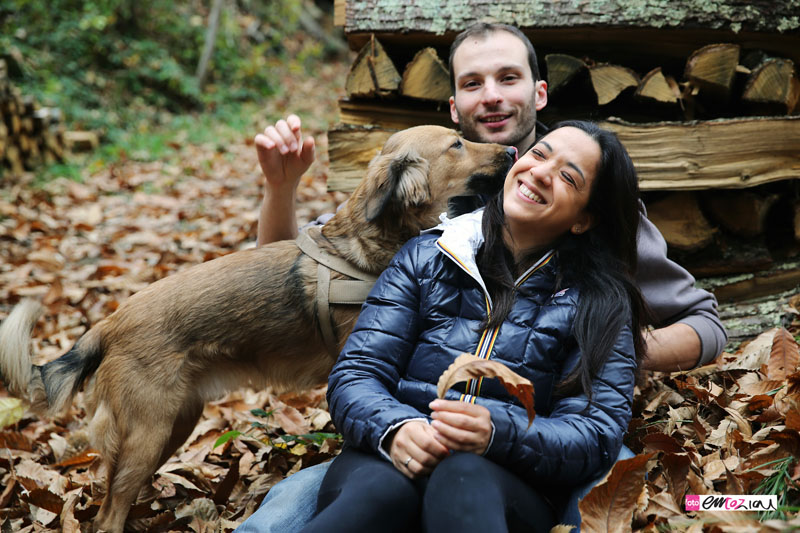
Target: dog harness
334	291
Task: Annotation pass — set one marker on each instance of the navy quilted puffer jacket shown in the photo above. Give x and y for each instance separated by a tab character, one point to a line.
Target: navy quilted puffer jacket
426	309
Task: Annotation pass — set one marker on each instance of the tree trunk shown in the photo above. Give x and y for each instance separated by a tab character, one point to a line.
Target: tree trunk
211	39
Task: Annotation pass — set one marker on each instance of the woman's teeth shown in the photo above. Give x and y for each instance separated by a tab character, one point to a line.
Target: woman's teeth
530	194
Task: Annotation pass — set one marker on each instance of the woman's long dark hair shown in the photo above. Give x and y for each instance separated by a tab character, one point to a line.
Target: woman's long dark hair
600	262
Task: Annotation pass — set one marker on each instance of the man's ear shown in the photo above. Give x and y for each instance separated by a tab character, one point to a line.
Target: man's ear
540	91
401	179
584	224
453	112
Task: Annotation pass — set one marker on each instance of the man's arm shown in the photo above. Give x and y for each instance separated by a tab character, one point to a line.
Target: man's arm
672	348
688	330
283	156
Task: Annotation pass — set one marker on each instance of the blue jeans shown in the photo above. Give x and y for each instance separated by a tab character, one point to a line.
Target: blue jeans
291	504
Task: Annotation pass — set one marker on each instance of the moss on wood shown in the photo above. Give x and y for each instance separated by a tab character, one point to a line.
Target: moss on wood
439	17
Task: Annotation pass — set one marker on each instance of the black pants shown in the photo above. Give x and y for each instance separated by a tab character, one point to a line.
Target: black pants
363	492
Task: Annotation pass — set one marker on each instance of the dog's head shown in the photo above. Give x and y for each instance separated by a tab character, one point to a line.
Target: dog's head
421	169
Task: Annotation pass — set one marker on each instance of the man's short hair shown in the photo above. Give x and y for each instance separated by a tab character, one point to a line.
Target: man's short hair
482	30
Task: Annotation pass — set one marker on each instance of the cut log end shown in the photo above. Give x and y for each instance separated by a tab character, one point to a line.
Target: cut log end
426	77
680	221
775	81
372	73
609	81
561	69
713	67
655	87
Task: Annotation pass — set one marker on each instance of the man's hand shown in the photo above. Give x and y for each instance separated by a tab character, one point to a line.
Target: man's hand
462	426
284	156
414	449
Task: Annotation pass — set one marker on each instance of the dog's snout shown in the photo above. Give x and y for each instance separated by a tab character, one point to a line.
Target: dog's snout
511	151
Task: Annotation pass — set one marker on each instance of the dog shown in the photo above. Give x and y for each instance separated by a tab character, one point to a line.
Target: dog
244	319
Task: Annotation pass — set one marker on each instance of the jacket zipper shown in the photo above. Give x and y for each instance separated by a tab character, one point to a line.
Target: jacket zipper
489	335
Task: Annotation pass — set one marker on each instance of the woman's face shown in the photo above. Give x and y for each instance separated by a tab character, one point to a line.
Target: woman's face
547	190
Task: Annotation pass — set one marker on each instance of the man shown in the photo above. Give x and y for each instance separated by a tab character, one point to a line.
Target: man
497	92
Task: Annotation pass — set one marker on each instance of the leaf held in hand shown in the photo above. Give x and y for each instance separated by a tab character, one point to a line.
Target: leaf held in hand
467	367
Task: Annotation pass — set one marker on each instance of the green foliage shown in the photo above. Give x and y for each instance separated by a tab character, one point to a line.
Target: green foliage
781	485
281	442
227	436
114	65
317	438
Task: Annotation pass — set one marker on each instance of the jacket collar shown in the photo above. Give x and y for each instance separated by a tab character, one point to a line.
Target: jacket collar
461	239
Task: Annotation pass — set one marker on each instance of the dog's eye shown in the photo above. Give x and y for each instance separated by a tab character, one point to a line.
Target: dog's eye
457	144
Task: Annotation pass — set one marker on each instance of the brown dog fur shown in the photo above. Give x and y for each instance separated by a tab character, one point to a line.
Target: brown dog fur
245	319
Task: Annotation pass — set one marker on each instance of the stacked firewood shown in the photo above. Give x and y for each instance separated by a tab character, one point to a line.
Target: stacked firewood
30	135
715	137
717	80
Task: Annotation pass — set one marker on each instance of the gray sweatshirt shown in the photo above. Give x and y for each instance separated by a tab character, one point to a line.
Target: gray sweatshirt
670	292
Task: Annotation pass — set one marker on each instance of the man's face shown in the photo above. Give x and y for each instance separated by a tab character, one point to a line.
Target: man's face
496	98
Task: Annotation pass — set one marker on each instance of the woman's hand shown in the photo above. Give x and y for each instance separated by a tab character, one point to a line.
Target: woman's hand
414	449
462	426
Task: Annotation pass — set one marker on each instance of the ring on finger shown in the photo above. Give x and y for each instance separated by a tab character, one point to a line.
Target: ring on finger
405	464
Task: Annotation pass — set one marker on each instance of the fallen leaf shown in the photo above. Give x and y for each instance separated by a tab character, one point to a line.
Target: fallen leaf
11	411
676	469
609	506
784	356
755	354
467	366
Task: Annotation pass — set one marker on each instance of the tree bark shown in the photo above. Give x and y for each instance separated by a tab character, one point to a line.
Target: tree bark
439	17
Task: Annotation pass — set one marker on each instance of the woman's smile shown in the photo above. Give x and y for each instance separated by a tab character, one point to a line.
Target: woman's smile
529	193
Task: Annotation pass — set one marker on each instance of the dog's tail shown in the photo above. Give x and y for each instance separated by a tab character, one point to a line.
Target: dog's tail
48	388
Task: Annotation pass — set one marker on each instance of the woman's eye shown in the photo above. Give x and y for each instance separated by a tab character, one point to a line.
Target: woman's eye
569	179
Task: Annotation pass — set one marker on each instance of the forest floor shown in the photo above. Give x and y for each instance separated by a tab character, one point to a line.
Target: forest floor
83	247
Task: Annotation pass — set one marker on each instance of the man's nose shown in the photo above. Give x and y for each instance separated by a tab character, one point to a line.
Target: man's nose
491	93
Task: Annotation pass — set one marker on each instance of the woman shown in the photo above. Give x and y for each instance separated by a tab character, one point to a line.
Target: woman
540	280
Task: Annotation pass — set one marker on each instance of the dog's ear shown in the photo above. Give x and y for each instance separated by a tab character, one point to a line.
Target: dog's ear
401	180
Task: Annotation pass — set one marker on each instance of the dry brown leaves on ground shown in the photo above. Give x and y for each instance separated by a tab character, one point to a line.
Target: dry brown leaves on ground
83	249
728	428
